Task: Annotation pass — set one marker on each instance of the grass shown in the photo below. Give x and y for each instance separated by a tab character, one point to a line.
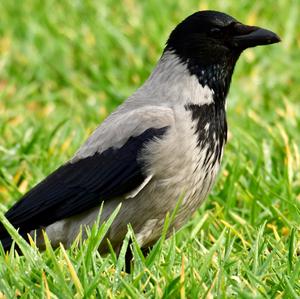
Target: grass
65	65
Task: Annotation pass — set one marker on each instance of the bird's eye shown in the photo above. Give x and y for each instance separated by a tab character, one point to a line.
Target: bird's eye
215	32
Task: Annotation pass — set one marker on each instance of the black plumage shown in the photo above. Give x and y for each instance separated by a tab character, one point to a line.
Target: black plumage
215	136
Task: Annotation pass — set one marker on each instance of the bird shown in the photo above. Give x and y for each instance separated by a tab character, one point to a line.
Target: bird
163	143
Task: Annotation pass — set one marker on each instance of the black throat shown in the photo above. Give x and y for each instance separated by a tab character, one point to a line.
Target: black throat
216	76
209	120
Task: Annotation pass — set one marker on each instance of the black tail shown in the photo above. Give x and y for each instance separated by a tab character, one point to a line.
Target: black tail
6	243
6	239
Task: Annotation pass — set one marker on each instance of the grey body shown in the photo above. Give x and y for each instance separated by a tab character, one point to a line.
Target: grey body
158	103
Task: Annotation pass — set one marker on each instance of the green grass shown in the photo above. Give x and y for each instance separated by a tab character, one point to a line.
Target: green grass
65	65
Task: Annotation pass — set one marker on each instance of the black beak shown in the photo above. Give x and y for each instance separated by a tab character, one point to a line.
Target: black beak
252	36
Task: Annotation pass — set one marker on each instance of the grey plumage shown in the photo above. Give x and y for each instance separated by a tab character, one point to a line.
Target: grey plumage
164	141
171	174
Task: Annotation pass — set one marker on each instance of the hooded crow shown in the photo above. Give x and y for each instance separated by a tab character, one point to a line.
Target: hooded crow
164	141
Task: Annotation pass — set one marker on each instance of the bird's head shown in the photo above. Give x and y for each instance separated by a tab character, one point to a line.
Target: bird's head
210	42
211	36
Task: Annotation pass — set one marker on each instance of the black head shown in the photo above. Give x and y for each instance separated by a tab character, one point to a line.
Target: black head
211	36
211	42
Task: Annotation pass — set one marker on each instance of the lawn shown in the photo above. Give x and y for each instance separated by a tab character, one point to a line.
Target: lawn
65	65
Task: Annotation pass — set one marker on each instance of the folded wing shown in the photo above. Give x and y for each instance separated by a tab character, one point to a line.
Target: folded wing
83	184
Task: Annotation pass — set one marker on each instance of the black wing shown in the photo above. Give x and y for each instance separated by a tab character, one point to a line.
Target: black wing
82	185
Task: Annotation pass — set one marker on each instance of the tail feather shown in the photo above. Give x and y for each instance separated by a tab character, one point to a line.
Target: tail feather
6	243
5	238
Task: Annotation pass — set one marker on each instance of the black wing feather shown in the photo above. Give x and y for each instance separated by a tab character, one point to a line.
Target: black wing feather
82	185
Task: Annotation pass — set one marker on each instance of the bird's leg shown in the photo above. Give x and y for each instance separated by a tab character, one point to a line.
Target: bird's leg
128	258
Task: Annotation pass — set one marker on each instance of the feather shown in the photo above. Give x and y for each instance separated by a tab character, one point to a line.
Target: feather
82	185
